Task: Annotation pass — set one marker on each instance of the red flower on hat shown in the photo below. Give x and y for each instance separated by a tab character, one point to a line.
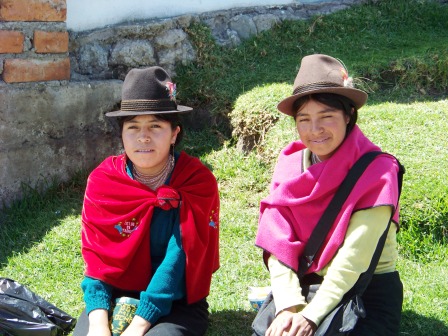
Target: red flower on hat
171	87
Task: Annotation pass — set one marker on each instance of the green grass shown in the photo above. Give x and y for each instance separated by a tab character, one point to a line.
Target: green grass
414	133
394	43
398	47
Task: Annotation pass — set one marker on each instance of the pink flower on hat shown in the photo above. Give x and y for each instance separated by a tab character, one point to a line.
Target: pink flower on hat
171	87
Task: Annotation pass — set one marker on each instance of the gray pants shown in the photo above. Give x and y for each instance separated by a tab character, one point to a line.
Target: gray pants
184	320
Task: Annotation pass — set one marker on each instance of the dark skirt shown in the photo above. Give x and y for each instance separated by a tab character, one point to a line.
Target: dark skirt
383	301
183	320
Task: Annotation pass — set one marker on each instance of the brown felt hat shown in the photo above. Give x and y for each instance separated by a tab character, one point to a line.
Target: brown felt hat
148	91
322	74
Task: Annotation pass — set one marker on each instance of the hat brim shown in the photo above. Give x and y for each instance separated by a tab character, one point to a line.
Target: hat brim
358	97
120	113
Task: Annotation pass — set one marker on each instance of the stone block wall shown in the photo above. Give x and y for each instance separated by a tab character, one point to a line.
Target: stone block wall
109	53
33	41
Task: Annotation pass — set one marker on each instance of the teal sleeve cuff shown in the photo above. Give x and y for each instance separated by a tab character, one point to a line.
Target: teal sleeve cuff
97	294
147	310
168	282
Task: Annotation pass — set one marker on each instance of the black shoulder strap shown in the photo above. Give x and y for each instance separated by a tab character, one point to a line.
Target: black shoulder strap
326	221
364	279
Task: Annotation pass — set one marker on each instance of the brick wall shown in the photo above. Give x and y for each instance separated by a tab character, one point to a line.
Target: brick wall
33	41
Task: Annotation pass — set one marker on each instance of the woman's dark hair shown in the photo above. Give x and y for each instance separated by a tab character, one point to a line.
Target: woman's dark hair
333	100
172	118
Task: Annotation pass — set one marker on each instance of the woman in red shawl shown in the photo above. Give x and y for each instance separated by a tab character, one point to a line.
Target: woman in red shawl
150	223
324	106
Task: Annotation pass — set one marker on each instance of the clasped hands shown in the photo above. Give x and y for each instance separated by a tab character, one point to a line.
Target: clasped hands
99	325
290	323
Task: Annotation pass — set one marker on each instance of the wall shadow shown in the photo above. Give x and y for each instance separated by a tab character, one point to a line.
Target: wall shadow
230	322
413	324
26	222
199	141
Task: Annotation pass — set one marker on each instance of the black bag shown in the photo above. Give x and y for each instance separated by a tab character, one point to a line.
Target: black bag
265	316
343	318
24	313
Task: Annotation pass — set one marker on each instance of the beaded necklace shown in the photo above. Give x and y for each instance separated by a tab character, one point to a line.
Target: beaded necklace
156	180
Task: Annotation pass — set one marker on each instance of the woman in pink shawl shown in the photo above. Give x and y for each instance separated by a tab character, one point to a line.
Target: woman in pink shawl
324	106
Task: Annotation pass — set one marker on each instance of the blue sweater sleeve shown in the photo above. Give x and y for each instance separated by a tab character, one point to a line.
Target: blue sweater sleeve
167	285
97	294
168	281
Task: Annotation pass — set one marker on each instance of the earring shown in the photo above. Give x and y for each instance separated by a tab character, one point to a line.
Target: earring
172	153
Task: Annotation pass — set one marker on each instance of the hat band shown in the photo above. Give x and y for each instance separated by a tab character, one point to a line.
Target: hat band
148	105
315	86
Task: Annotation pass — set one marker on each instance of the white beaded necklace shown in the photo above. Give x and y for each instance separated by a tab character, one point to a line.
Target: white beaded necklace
156	180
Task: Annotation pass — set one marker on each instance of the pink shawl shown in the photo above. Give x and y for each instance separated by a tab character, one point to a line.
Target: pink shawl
298	198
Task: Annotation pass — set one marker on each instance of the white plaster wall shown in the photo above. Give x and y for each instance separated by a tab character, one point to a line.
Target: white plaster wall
91	14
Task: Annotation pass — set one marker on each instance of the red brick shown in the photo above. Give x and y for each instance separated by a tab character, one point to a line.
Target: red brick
27	70
33	10
50	42
11	42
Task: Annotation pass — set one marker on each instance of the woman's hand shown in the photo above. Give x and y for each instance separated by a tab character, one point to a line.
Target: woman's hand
99	330
288	323
99	323
138	327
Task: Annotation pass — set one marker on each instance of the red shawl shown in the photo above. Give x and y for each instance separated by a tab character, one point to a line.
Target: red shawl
297	199
117	215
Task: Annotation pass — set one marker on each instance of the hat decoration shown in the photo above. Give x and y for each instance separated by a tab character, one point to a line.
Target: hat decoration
348	81
171	87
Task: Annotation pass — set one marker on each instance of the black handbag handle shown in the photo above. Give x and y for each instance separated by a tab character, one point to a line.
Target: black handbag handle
325	223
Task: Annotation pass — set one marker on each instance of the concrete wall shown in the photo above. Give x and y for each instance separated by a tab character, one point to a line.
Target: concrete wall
53	130
92	14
